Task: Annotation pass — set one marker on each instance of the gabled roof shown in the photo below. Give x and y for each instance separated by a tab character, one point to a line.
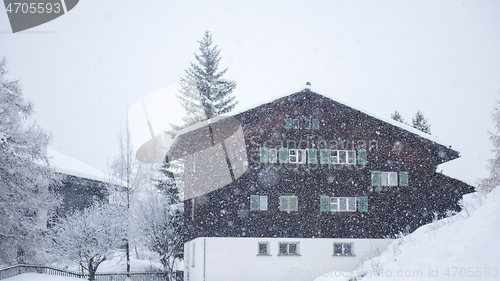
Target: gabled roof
387	120
412	131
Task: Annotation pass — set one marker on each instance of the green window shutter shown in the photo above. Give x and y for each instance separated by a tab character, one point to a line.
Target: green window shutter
312	156
362	159
283	154
254	202
284	203
315	124
294	203
264	155
324	156
363	204
288	123
403	178
324	204
376	178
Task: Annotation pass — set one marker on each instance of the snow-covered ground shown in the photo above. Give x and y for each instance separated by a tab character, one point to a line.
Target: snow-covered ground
461	247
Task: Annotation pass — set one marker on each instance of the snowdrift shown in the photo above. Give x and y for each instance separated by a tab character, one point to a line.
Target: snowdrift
463	246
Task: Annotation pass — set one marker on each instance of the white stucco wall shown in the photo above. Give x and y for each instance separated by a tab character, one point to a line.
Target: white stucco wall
220	259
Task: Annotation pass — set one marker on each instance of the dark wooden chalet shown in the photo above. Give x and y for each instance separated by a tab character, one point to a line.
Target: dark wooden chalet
319	168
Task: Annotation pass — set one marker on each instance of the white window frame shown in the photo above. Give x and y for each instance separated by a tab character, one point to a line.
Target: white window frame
343	246
268	249
273	155
389	178
300	156
297	249
343	157
263	202
343	204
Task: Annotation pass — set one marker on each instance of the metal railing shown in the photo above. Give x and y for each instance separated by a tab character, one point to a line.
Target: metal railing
12	271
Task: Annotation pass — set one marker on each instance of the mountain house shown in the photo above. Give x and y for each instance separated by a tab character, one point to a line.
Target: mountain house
304	185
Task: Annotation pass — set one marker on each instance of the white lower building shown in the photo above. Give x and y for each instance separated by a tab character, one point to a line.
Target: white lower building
275	259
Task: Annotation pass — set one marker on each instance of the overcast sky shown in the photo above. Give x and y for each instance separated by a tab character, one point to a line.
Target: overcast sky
83	70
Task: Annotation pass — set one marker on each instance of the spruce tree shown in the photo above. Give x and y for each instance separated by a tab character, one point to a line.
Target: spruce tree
487	184
420	123
204	94
396	116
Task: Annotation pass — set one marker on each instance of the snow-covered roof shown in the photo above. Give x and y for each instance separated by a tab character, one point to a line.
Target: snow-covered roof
387	120
66	165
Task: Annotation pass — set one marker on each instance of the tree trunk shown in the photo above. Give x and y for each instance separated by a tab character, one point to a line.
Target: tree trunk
127	245
92	270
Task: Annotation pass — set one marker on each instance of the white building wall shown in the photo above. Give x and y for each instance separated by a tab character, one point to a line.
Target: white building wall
226	258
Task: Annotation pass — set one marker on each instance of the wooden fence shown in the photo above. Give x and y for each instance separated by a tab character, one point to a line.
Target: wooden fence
121	276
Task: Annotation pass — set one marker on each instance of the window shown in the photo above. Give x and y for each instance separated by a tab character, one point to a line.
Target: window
258	203
288	249
343	204
288	123
273	155
268	155
343	249
343	157
296	124
297	156
264	249
307	124
289	203
389	178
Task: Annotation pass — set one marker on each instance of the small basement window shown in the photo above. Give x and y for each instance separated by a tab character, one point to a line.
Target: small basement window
288	249
343	249
264	249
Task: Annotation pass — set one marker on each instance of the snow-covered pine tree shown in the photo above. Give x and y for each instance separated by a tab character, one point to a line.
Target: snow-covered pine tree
25	177
396	116
420	123
204	94
91	236
487	184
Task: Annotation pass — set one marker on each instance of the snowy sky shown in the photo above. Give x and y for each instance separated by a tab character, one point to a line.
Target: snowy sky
84	69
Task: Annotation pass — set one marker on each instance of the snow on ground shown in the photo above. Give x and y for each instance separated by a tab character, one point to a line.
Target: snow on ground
41	277
118	263
461	247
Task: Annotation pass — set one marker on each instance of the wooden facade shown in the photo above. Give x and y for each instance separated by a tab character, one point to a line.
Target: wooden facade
353	176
